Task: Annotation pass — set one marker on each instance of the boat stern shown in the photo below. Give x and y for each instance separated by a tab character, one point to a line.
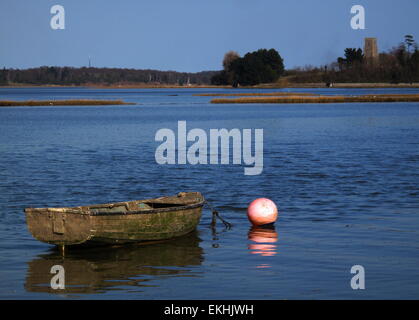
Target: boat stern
58	226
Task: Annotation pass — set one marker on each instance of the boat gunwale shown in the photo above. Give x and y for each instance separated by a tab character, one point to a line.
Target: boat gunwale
88	212
150	211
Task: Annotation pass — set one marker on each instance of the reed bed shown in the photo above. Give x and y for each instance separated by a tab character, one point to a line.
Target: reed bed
81	102
279	94
322	99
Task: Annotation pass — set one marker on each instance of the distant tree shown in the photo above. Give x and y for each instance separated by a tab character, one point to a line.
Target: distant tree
262	66
3	77
415	64
341	63
401	54
229	57
228	74
353	57
220	79
408	40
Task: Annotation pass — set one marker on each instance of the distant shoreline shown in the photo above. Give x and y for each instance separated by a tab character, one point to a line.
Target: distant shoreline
261	86
75	102
124	86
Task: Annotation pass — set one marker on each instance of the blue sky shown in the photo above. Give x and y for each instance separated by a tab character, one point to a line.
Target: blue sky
193	35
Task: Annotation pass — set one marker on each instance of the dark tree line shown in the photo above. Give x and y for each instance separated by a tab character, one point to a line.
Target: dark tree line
108	76
398	65
352	57
262	66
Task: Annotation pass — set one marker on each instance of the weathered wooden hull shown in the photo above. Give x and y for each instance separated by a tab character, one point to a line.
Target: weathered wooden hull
117	223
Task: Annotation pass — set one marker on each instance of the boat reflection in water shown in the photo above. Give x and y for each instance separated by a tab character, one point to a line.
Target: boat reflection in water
263	242
98	270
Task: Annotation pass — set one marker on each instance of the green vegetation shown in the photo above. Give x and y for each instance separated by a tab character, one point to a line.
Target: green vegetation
323	99
84	102
398	65
352	57
68	76
262	66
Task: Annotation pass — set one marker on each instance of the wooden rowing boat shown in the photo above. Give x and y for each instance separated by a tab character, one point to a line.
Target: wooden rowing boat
117	223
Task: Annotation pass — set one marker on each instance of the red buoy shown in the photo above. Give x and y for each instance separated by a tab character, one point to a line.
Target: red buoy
262	211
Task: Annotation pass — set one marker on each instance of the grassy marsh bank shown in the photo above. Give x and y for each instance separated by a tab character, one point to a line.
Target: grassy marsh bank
322	99
276	94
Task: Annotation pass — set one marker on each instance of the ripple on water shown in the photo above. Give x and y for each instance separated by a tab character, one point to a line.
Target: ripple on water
344	178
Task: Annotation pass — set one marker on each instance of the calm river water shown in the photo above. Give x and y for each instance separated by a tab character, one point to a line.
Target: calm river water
344	176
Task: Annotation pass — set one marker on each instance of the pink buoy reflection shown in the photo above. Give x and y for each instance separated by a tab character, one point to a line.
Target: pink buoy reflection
264	239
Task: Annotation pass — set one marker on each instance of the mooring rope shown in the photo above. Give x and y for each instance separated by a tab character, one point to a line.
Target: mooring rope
216	215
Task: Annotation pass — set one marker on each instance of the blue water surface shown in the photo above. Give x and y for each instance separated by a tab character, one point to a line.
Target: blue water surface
345	178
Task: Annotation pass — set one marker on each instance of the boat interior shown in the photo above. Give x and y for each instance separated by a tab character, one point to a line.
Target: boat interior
181	199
